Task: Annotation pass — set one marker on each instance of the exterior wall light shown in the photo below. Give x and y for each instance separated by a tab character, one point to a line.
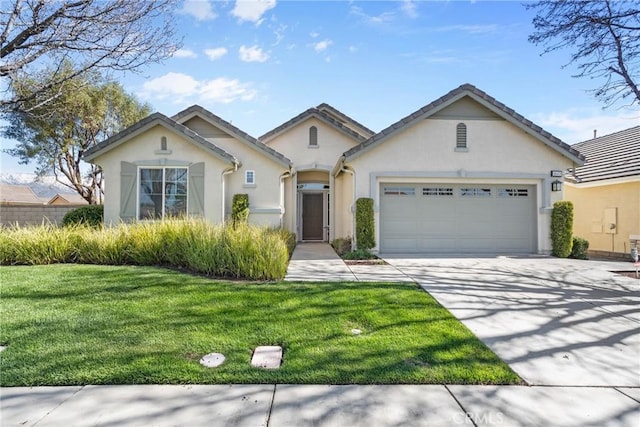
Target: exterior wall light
556	185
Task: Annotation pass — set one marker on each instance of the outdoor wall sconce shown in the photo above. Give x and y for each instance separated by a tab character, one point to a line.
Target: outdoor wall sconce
556	173
556	185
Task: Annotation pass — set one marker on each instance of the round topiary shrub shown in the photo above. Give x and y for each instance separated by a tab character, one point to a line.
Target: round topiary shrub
92	215
580	249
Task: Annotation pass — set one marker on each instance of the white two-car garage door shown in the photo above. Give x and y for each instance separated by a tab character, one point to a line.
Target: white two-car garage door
461	218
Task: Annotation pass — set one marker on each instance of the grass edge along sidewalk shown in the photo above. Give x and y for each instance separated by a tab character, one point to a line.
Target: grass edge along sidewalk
68	324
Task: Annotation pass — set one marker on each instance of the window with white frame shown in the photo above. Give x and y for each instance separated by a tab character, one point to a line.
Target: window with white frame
162	192
250	177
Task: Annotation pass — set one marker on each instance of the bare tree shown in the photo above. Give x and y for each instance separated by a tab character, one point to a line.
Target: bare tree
119	35
604	37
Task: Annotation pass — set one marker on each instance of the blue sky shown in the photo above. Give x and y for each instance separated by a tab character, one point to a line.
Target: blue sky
258	64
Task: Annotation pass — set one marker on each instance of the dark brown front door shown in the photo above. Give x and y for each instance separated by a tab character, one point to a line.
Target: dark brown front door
312	216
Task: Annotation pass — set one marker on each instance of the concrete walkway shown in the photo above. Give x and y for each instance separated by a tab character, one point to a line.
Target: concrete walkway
318	262
368	405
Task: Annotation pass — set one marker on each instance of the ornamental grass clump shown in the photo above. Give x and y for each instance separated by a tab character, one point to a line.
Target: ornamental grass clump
243	251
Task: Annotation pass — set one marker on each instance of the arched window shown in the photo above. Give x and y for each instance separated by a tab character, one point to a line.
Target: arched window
461	135
163	143
313	136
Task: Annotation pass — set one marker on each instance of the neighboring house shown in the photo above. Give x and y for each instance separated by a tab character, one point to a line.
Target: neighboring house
18	194
67	199
605	192
464	174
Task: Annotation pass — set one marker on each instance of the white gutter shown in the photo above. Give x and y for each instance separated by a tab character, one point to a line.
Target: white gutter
283	176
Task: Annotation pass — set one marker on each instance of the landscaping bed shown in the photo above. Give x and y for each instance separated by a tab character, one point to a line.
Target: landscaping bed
68	324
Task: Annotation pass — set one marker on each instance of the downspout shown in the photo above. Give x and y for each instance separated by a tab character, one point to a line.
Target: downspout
283	176
226	172
346	169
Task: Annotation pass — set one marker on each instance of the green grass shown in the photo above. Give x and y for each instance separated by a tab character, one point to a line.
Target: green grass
67	324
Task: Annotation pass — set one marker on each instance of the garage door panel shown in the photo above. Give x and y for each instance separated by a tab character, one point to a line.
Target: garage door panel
448	218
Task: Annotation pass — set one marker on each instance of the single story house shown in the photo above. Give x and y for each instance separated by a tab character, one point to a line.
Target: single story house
463	174
605	192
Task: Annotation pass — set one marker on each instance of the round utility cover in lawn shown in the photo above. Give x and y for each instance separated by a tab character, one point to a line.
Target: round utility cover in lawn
212	360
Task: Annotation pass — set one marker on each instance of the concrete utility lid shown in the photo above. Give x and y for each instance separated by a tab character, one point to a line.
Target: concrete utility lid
356	331
212	360
267	357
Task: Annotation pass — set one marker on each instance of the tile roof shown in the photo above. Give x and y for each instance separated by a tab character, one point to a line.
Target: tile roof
364	131
616	155
10	193
323	116
156	118
484	99
231	129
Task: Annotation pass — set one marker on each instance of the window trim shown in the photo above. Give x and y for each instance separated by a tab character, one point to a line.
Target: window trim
163	168
251	183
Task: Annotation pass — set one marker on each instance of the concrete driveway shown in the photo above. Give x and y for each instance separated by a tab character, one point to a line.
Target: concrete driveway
554	321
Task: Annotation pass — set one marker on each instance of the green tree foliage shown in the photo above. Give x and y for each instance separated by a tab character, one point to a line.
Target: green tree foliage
365	229
561	229
56	135
580	248
603	37
96	35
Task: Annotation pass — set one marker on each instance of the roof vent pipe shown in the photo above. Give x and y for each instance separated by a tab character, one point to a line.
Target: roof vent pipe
595	131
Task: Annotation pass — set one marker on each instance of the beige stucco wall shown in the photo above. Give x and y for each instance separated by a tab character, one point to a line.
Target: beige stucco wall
343	202
591	221
294	143
141	150
498	152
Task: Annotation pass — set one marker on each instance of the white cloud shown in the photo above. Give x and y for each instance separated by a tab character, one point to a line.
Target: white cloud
216	53
181	87
184	53
201	10
409	8
576	125
252	54
383	18
322	46
314	34
252	10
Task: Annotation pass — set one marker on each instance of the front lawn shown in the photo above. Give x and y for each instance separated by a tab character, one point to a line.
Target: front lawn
85	324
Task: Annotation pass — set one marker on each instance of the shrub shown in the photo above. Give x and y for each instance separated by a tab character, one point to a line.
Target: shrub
341	245
240	208
359	254
580	248
561	229
91	215
243	251
365	232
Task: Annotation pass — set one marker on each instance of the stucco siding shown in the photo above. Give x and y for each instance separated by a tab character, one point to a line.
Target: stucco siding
294	143
594	208
343	201
141	150
497	152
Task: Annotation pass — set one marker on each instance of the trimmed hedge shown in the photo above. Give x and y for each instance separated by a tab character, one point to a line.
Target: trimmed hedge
580	248
92	215
365	228
341	245
240	208
561	229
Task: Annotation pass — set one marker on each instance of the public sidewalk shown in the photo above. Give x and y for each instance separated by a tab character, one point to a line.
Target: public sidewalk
319	405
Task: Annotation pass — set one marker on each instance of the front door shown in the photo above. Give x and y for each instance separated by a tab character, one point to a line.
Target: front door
313	216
